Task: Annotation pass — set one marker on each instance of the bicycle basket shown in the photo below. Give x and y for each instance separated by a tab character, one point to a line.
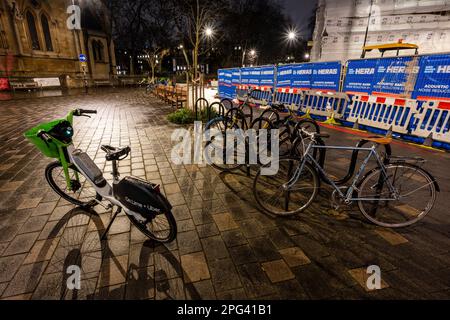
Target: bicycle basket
48	149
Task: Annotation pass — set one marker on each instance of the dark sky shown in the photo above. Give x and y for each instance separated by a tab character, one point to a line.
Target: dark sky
300	11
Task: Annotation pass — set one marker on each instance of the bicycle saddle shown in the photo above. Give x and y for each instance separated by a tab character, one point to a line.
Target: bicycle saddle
278	107
379	140
115	153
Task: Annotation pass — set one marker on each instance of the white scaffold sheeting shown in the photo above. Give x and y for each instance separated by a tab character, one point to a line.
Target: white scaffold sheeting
361	8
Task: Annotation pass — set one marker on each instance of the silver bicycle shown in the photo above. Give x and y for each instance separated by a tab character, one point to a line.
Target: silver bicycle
396	193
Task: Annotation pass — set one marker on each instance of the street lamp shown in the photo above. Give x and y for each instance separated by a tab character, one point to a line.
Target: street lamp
252	52
306	56
209	32
291	35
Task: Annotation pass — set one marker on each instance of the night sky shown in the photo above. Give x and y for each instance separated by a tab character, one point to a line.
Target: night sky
300	11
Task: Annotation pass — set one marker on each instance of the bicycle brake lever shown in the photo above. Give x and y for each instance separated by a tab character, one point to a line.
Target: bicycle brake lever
85	115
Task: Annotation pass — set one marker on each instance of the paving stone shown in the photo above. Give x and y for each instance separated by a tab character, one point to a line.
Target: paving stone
224	222
167	265
214	248
119	244
188	242
279	239
172	188
311	247
25	280
195	267
264	250
207	230
242	255
234	238
392	237
201	290
236	294
255	281
34	224
294	257
50	287
9	266
277	271
140	284
201	217
114	271
21	243
29	203
44	208
11	186
361	276
172	289
120	225
8	233
186	225
251	228
42	250
223	275
291	290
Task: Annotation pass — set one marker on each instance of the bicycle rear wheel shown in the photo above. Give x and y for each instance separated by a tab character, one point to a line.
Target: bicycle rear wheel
225	157
416	195
273	196
160	228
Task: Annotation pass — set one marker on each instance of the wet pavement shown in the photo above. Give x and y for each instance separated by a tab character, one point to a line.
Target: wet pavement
225	249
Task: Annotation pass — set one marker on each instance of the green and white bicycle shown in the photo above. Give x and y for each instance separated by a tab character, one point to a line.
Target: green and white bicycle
77	179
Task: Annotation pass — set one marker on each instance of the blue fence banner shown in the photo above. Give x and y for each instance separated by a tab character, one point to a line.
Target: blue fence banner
226	87
284	76
391	75
236	77
378	76
246	75
221	82
433	80
326	76
302	76
360	76
267	76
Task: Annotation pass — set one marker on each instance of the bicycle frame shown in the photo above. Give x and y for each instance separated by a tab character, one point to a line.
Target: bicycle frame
349	195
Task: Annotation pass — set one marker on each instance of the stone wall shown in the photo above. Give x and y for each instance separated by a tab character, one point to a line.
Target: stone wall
62	59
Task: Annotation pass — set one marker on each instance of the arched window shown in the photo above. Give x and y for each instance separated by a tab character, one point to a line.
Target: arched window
47	35
35	45
98	50
3	39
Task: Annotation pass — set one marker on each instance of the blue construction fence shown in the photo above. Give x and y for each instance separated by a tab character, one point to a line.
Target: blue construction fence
422	78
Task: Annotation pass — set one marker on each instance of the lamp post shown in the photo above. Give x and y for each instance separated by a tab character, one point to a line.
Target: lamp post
291	38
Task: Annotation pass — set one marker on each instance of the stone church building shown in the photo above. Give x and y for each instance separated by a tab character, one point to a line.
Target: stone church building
37	43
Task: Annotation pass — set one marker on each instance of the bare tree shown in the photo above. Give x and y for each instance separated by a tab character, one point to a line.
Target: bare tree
154	58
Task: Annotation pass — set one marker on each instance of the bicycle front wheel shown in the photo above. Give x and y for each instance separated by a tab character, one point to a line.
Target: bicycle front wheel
81	194
412	197
272	194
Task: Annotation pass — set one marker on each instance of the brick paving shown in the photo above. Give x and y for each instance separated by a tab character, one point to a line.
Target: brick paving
225	249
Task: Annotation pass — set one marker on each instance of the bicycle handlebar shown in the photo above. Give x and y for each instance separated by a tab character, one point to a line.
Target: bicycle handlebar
44	136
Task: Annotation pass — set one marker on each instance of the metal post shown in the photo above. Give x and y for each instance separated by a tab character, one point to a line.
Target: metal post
367	28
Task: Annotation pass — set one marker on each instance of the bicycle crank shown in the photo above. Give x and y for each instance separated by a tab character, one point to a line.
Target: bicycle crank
337	201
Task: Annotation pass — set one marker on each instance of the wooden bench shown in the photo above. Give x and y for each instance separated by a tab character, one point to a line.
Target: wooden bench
177	97
24	85
127	82
99	83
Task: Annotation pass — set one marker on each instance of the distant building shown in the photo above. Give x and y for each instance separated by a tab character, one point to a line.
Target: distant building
36	42
341	26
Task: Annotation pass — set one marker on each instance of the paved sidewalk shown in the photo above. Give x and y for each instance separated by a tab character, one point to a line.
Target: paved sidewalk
225	249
